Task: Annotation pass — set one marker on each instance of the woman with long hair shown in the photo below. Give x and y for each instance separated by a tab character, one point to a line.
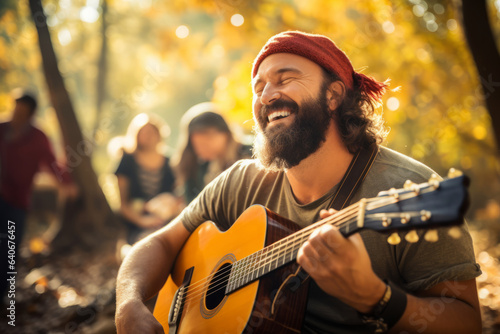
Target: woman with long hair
145	179
206	148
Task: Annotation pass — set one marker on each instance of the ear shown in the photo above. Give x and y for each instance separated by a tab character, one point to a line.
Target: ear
335	94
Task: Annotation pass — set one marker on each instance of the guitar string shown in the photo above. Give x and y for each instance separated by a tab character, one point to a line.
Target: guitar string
194	294
383	201
300	240
272	256
297	239
370	206
214	287
201	283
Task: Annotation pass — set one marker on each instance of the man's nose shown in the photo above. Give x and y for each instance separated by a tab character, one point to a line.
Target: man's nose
269	94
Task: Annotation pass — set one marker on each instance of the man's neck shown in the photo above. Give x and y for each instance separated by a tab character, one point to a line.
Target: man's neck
321	171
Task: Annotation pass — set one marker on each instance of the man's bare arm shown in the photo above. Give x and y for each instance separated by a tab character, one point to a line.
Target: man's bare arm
341	268
142	274
448	307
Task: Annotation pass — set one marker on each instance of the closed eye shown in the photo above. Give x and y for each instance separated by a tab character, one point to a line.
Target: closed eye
286	80
258	92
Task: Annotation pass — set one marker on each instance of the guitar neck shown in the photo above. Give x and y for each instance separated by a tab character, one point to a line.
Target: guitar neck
432	204
284	251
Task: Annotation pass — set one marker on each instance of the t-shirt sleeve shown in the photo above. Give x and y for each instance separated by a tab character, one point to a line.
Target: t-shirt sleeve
125	167
425	264
421	265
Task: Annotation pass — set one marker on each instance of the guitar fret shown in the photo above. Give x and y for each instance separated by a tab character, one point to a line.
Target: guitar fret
269	262
280	254
261	261
245	271
269	258
283	255
251	266
241	271
251	263
232	275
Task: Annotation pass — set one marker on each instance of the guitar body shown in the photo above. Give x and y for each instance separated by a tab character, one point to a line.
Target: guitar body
257	307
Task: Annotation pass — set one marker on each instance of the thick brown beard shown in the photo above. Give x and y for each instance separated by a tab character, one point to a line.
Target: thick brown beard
283	147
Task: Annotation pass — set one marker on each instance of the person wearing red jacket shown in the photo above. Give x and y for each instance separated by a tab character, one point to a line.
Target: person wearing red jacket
24	149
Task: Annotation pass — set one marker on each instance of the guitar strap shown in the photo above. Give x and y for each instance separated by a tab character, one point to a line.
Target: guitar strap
354	176
352	179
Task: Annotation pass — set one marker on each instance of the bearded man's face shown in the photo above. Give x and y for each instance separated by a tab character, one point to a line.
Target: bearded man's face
297	132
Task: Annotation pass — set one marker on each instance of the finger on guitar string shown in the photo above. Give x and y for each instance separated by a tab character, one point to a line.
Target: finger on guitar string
308	263
331	238
316	248
326	213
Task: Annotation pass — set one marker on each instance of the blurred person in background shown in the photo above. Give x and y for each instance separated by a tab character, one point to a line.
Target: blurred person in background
206	148
145	179
24	150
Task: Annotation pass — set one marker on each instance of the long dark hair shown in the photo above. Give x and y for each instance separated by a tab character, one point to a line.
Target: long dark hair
358	123
199	117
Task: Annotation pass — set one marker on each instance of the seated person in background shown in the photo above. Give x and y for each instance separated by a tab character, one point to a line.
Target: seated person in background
145	179
206	148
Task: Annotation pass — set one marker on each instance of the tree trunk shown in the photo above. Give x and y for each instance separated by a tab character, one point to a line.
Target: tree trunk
88	221
486	57
102	69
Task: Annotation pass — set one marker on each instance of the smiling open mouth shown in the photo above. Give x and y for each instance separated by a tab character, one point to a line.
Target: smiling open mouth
278	115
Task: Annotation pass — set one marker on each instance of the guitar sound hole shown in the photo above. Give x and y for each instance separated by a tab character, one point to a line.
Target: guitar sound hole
217	287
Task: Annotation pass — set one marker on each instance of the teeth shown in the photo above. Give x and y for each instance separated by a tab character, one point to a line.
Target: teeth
277	114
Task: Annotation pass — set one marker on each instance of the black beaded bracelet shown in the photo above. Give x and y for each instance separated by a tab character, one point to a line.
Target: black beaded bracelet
395	307
389	309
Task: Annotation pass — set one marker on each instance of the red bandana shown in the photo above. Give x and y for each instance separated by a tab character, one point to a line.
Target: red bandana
324	52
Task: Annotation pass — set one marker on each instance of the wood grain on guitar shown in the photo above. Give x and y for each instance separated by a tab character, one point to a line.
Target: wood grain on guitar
246	279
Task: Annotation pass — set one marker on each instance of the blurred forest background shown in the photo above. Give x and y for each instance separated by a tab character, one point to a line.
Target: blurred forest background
119	58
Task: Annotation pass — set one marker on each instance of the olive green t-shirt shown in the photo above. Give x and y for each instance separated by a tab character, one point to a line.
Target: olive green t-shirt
414	267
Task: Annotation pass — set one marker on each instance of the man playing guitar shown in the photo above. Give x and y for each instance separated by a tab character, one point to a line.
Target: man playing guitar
313	114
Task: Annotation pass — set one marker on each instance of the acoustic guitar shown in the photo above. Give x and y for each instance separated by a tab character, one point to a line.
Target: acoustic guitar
246	279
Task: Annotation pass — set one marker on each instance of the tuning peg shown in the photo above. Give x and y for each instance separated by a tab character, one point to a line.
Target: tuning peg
434	181
394	193
408	184
455	232
405	218
431	236
386	221
394	239
454	173
425	215
411	236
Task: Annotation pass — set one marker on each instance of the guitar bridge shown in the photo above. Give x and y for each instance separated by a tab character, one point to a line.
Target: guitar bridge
174	316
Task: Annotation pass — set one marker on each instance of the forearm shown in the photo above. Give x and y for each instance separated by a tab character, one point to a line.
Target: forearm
142	274
438	315
144	270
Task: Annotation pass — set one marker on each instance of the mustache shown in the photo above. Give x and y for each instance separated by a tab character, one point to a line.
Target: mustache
280	104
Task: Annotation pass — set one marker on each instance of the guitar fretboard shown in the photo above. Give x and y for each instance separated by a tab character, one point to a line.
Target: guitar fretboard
275	256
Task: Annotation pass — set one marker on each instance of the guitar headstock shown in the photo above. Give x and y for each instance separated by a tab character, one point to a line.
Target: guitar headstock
419	206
